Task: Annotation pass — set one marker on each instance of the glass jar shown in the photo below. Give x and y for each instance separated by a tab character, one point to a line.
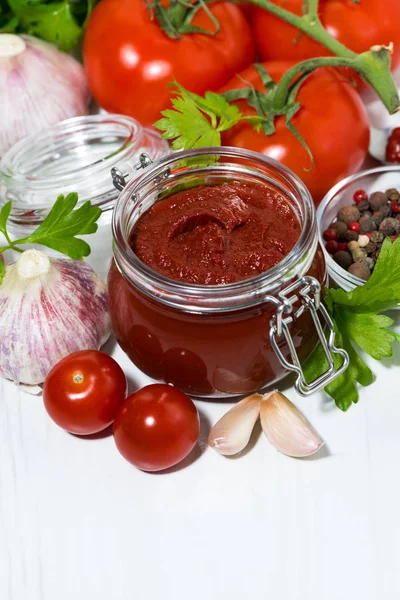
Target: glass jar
75	155
220	340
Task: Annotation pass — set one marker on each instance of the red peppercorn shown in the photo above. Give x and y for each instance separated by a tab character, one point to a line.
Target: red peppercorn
342	246
332	246
396	132
368	235
329	234
376	213
395	207
360	196
355	227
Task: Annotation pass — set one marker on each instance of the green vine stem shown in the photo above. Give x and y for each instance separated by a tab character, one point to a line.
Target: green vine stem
309	24
373	66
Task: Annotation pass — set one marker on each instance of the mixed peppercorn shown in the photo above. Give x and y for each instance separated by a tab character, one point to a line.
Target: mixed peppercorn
355	238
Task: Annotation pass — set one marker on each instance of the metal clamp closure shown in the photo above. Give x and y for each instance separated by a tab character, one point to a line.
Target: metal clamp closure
307	292
119	178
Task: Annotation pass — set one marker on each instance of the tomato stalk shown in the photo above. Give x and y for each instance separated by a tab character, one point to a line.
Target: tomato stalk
176	20
373	66
309	23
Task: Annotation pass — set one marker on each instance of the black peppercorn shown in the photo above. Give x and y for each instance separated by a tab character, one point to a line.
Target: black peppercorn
393	194
340	228
377	219
377	237
343	259
363	206
349	214
377	200
388	226
351	236
367	225
385	211
361	270
371	247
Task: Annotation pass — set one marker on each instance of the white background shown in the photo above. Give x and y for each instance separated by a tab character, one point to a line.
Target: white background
78	521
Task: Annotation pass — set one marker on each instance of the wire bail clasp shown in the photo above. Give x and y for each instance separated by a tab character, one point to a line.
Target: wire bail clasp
307	292
119	177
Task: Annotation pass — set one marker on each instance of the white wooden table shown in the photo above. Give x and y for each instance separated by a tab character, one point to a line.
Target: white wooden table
79	522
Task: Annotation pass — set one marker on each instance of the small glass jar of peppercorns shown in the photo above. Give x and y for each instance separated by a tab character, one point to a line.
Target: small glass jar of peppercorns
355	237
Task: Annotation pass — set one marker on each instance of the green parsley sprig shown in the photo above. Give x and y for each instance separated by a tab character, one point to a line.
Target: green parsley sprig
58	21
359	324
59	229
197	121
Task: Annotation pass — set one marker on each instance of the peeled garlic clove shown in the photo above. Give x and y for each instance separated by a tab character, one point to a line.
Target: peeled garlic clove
286	428
232	432
49	308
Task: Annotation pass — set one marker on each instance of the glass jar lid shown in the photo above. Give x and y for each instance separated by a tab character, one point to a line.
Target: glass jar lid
76	155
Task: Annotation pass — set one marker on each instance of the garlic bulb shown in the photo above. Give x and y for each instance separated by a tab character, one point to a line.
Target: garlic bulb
49	308
231	434
286	428
39	86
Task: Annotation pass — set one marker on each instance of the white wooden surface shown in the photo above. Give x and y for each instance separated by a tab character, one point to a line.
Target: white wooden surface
78	522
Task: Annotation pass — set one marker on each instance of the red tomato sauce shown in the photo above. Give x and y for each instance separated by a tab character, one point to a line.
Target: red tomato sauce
209	235
216	234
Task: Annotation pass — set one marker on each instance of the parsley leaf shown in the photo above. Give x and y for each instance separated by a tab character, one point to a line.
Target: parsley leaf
187	125
60	228
62	224
60	22
358	324
197	121
4	214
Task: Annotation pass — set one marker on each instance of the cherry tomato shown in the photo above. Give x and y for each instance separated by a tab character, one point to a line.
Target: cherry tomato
357	25
156	427
83	392
129	60
330	109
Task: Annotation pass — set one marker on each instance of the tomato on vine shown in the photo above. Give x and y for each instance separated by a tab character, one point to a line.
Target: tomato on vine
131	52
358	24
331	119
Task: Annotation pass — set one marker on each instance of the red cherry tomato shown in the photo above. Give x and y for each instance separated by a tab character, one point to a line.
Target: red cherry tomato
129	60
357	25
326	131
83	392
156	427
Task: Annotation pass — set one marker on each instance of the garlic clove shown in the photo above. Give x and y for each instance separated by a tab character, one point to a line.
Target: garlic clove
286	428
231	434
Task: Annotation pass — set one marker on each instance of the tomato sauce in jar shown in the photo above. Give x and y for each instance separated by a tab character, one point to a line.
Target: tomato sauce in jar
198	269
